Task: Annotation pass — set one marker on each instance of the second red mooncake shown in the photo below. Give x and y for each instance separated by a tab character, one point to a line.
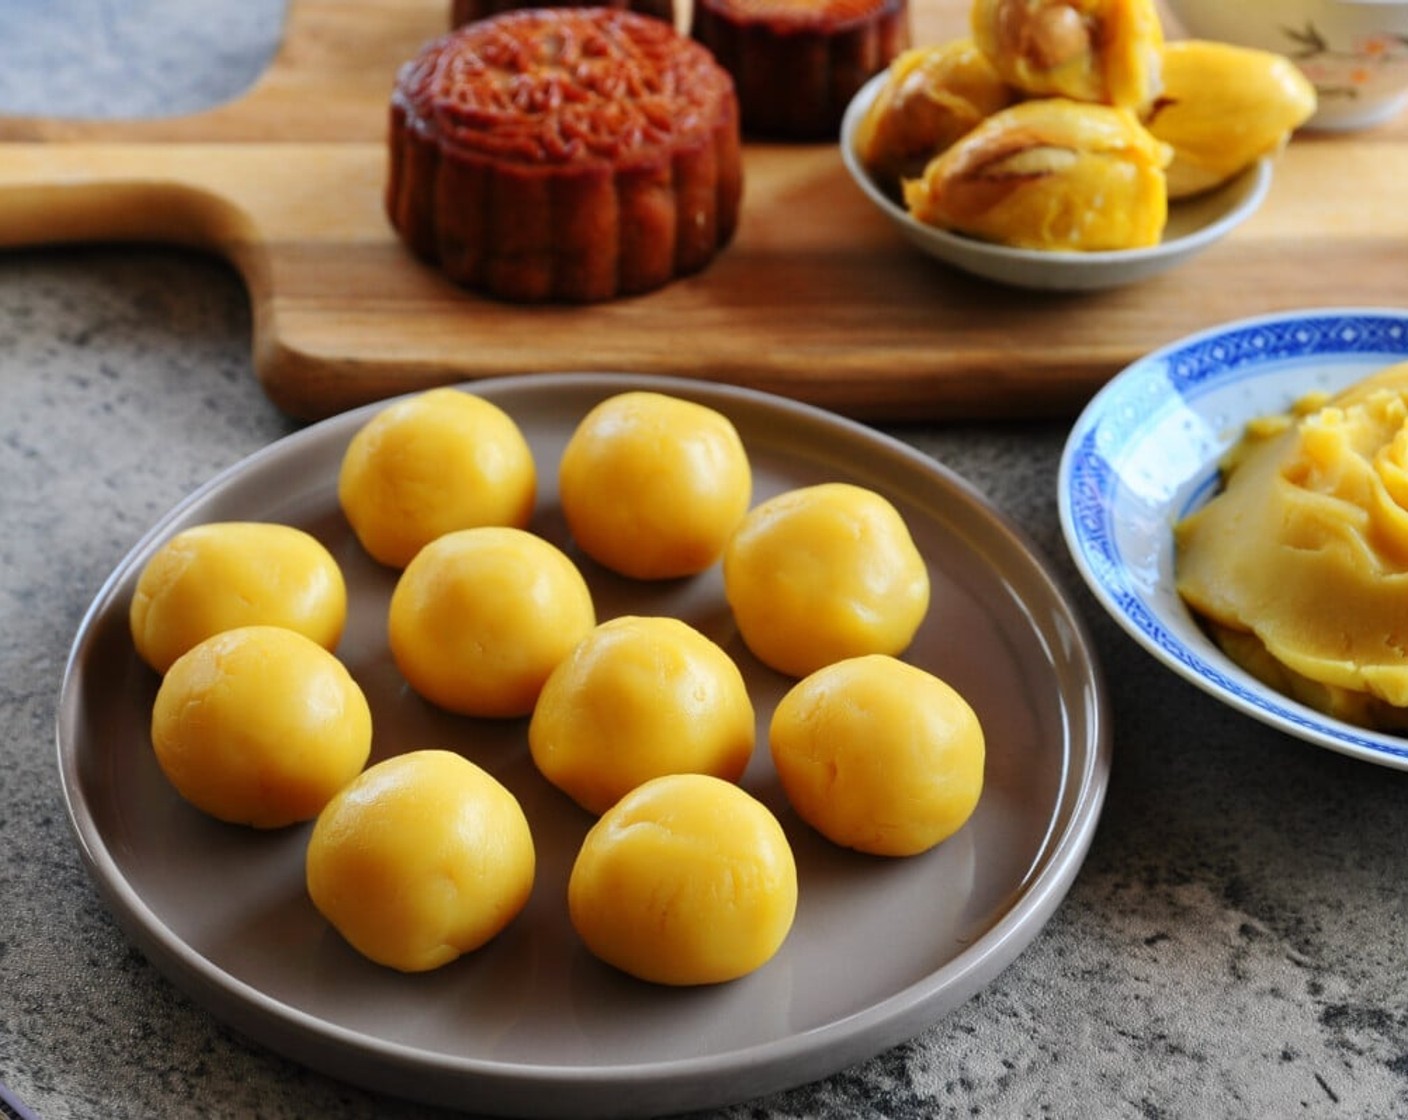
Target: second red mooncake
798	63
467	11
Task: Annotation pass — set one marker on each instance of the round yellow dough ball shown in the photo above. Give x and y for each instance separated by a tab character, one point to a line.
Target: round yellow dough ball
226	574
822	573
638	698
260	726
878	755
652	485
481	616
430	464
423	858
686	880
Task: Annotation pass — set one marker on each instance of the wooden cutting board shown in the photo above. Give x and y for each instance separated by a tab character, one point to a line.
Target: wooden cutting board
818	298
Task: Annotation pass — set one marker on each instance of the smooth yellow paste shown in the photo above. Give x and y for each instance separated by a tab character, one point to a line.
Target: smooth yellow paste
430	464
824	572
879	755
686	880
227	574
424	857
640	697
481	617
260	726
652	485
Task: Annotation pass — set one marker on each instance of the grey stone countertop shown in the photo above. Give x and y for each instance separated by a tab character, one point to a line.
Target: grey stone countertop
1234	945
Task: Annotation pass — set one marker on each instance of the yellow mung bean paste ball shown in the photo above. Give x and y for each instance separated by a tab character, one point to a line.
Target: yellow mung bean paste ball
425	857
640	697
878	755
686	880
652	485
822	573
430	464
480	617
226	574
260	726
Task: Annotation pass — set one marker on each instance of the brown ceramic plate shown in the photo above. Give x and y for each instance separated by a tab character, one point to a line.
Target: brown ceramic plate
532	1024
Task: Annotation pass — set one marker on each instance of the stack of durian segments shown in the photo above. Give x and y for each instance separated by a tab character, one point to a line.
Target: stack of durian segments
1072	124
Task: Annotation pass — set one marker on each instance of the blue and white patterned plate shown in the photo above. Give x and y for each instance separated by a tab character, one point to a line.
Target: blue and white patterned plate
1144	453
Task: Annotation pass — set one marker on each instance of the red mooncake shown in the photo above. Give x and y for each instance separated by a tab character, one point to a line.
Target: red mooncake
798	63
565	154
467	11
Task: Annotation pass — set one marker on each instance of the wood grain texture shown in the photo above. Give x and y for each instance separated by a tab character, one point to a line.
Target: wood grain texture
817	298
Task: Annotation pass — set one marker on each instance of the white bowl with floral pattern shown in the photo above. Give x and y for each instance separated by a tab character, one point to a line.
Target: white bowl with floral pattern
1354	51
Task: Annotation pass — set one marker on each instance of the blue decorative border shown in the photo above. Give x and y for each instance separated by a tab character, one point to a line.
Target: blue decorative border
1215	355
1130	404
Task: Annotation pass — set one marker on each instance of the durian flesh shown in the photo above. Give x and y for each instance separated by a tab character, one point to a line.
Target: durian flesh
930	97
1050	173
1107	51
1222	108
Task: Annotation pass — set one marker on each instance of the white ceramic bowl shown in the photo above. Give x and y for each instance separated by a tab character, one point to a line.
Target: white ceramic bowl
1193	225
1144	453
1354	51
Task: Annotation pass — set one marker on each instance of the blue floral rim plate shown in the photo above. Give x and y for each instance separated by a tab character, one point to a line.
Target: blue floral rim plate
1145	452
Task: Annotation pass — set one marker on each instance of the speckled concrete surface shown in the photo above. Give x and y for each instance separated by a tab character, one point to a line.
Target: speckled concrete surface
1233	947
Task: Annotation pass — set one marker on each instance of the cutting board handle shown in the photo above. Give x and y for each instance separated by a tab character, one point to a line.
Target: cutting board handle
101	208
